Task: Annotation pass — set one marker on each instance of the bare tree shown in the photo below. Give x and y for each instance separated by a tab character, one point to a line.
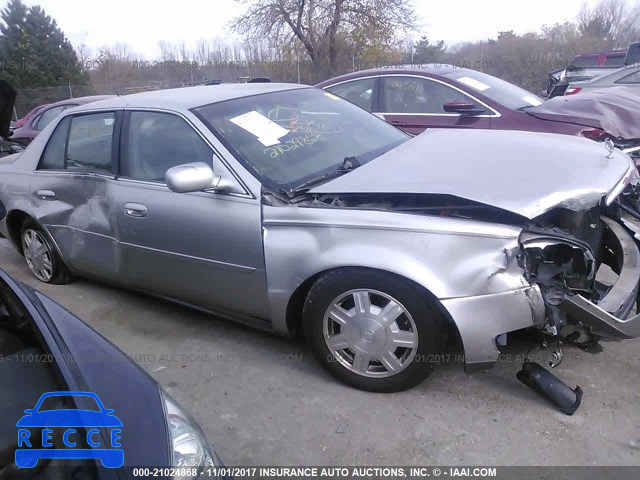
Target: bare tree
323	27
614	22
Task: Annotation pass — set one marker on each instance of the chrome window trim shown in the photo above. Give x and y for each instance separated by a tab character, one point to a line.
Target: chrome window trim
163	185
75	173
496	114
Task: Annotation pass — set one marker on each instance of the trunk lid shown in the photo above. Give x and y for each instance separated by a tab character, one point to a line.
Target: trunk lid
614	110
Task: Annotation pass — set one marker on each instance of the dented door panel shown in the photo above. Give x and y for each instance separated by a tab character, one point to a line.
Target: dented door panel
79	219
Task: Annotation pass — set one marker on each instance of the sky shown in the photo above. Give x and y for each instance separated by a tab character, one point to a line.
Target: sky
143	24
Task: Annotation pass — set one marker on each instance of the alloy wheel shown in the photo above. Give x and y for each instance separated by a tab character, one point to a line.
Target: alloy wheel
370	333
37	254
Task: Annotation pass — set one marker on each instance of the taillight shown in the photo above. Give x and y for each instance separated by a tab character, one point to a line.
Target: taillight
594	134
572	91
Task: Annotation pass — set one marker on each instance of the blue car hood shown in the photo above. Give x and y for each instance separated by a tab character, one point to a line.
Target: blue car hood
88	362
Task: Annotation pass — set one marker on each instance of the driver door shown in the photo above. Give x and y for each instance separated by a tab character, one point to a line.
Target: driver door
202	248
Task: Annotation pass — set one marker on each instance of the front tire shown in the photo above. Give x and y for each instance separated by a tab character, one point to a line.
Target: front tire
372	330
41	256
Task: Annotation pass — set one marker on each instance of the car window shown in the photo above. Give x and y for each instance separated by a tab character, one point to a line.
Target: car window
53	155
614	61
45	119
359	92
158	141
417	95
632	78
633	54
498	90
288	138
57	401
90	142
585	61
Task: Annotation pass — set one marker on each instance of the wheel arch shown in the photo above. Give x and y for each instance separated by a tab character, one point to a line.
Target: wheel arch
15	220
297	299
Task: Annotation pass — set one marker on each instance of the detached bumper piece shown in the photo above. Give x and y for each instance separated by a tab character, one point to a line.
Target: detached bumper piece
548	386
609	317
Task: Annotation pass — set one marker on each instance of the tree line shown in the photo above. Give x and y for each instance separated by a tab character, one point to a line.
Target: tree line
295	41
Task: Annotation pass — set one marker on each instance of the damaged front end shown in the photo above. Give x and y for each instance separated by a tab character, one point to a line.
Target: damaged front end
587	265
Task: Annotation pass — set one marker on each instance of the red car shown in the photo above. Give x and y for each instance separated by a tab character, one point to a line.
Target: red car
37	119
21	121
444	96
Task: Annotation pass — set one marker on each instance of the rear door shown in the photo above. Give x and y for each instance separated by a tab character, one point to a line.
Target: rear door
203	248
71	191
414	103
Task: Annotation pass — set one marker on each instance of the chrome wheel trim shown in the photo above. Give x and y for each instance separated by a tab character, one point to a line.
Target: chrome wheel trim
37	254
370	333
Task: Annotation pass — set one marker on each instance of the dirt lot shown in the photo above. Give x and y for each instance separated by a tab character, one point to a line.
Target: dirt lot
262	400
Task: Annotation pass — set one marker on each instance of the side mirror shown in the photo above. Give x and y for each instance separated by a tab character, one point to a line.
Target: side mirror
463	108
191	177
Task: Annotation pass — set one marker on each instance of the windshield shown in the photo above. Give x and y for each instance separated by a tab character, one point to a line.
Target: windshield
54	402
501	92
288	138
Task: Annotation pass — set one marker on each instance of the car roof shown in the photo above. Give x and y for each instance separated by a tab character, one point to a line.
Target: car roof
610	77
410	69
420	68
611	53
79	100
190	97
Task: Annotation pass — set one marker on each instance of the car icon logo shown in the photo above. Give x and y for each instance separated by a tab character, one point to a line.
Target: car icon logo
65	433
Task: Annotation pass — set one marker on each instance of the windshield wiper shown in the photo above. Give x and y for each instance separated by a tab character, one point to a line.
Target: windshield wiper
349	163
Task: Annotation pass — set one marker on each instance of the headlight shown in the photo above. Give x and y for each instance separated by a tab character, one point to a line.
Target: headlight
552	261
190	448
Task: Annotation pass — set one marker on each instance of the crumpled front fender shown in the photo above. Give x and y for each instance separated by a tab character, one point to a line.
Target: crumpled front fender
469	266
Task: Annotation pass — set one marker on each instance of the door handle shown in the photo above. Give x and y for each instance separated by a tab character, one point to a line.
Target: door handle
135	210
46	195
398	123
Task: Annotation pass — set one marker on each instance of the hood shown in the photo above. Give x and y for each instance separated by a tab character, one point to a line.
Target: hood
616	110
524	173
7	98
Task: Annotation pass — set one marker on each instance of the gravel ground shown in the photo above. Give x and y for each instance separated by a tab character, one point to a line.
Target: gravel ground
262	400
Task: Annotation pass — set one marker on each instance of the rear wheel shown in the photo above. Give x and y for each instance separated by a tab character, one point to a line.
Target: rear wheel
372	330
40	255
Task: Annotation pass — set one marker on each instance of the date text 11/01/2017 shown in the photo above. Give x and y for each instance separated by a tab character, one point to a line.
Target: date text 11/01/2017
323	472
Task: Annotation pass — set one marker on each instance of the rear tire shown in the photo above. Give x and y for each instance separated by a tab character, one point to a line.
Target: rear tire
372	330
41	256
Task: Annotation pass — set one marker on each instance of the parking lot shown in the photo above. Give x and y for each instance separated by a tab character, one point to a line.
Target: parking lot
262	400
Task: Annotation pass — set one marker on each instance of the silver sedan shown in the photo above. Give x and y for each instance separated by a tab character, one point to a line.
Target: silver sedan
290	209
628	76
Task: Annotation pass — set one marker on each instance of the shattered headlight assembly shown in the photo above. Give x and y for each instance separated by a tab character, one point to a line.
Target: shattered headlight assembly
557	262
189	446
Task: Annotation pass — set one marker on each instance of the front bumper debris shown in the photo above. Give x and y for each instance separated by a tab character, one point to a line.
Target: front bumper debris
610	317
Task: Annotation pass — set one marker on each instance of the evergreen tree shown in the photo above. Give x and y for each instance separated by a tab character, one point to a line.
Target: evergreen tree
33	51
427	52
